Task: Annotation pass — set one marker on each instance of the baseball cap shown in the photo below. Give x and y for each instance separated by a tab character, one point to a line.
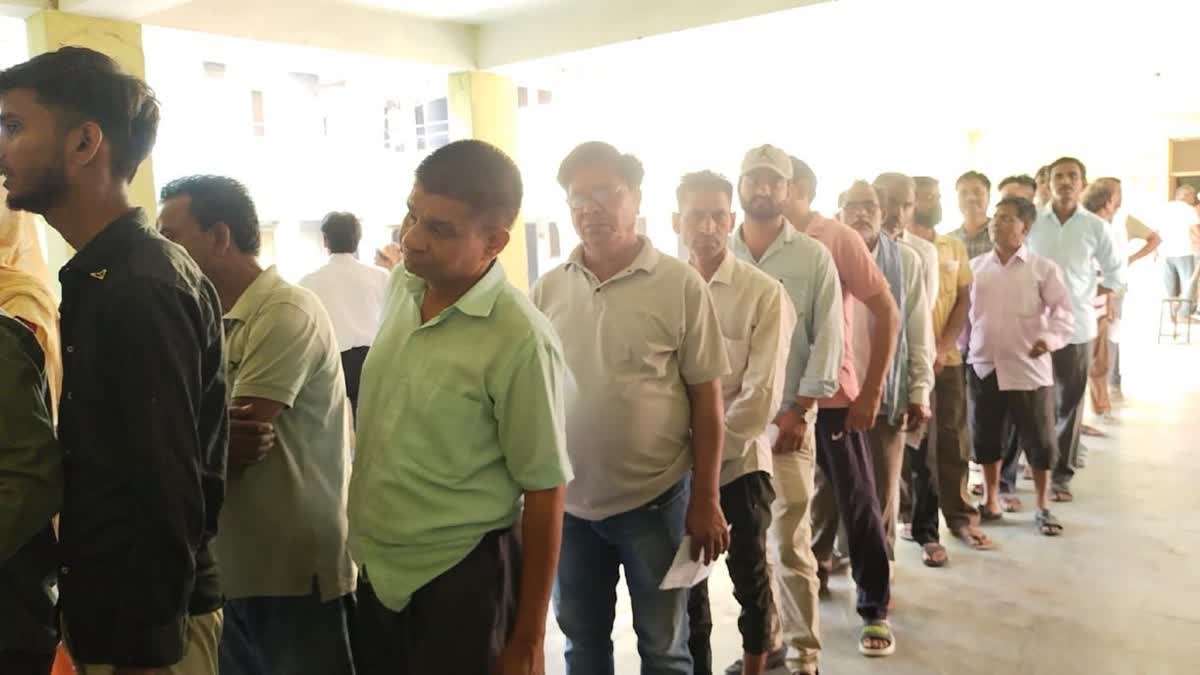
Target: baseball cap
768	157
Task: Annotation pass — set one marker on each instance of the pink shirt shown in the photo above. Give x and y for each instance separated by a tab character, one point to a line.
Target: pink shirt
1012	307
861	280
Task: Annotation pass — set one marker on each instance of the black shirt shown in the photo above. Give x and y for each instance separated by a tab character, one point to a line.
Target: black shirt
144	425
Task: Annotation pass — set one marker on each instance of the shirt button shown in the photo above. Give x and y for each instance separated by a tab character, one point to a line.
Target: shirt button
70	396
70	349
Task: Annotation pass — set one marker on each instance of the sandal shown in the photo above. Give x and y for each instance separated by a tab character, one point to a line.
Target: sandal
876	631
933	554
975	538
1010	503
1061	494
1047	523
989	516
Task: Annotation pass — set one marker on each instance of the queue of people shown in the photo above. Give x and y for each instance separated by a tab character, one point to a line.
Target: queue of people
403	476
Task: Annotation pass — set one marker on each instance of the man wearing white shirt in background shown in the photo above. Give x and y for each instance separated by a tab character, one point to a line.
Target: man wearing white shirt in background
1176	222
352	294
757	321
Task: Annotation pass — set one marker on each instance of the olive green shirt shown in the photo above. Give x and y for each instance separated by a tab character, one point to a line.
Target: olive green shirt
458	416
284	519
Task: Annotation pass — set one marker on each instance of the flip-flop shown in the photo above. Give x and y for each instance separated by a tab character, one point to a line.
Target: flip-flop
934	554
967	536
876	630
1061	495
989	516
1010	503
1047	524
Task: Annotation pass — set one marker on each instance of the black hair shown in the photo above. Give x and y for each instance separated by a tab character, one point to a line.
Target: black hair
1026	211
702	181
1024	180
342	232
802	171
925	181
1042	174
974	175
219	199
82	85
1067	160
477	174
597	152
1100	193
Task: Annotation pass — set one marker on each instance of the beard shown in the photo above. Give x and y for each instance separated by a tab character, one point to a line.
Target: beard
761	208
49	189
931	218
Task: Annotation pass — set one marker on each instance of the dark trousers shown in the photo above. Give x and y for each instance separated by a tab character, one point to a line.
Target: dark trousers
25	663
939	465
1030	413
297	635
845	460
352	365
1071	365
747	506
458	623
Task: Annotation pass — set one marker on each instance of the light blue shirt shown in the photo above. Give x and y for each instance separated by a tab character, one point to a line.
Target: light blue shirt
806	270
1079	246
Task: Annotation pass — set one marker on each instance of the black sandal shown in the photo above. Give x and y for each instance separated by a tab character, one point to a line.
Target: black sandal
1047	523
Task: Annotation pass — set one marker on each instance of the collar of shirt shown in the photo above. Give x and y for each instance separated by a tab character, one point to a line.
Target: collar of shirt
646	260
786	236
342	258
1022	254
254	295
96	256
478	301
724	274
1053	215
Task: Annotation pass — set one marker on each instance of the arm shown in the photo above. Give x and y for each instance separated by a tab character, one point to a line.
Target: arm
884	334
762	383
1136	229
1112	264
957	321
1060	320
30	456
1153	241
826	327
541	538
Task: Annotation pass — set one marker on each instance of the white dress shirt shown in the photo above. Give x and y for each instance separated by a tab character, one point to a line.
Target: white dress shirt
352	294
757	321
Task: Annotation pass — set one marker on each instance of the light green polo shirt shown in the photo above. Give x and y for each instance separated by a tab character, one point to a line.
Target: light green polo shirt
457	417
284	519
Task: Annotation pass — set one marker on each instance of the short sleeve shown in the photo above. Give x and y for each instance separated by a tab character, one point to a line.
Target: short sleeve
1136	229
531	417
702	356
281	349
856	267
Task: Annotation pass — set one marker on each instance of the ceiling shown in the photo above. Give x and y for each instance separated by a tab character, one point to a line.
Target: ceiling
465	11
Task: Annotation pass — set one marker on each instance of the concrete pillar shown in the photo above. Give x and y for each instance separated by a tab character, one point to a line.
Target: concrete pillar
49	30
484	106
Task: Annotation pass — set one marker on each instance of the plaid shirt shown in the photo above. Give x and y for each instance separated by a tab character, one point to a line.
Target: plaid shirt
976	245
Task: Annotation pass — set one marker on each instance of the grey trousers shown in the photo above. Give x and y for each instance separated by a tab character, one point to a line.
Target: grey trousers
1071	365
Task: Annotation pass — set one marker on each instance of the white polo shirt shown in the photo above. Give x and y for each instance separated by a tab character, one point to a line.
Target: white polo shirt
757	321
633	346
352	294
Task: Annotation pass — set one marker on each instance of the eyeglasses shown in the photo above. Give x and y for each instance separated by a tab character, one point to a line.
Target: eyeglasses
605	197
869	207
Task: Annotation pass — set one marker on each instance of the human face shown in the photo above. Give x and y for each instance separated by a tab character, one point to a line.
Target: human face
1018	190
928	212
863	213
176	222
973	199
705	220
447	242
604	207
32	153
764	194
799	199
1007	230
901	204
1066	181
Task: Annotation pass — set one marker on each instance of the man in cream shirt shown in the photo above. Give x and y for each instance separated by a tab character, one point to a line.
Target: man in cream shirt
757	321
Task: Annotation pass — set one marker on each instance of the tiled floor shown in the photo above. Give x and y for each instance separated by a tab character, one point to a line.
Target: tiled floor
1119	592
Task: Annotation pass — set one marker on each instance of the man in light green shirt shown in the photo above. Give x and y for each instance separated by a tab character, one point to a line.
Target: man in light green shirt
460	417
282	539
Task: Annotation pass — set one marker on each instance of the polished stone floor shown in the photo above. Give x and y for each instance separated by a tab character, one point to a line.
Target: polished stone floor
1119	592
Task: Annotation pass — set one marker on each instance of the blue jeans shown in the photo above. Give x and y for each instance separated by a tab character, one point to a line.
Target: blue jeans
297	635
643	541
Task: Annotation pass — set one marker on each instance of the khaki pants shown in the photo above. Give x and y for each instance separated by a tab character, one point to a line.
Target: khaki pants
199	655
794	568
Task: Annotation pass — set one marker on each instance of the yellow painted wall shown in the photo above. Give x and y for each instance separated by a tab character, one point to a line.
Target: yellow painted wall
484	106
49	30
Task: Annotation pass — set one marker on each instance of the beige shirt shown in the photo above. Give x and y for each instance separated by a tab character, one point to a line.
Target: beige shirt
954	270
284	519
928	254
633	346
757	321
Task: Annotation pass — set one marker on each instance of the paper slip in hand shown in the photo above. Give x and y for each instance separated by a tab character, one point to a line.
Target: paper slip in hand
685	572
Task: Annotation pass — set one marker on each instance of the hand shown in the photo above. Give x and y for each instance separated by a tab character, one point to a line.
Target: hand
863	412
793	427
249	440
939	363
1039	348
1110	309
522	657
389	256
706	523
917	415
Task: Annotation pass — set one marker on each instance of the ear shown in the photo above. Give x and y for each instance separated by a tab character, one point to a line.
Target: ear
83	143
497	238
636	195
222	238
675	222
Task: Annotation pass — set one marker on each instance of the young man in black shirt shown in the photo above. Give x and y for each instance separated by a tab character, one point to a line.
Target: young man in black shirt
143	419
